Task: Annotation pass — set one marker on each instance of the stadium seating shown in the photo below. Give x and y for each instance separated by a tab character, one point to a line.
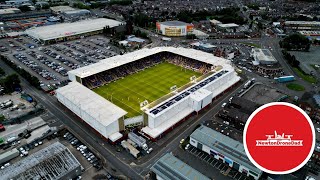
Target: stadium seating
135	66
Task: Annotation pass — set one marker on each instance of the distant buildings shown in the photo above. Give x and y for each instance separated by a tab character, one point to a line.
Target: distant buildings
207	47
132	40
18	2
230	27
225	149
77	13
301	25
169	167
174	28
311	35
61	9
9	11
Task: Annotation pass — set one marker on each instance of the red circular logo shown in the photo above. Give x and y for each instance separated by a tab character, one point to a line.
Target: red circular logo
279	138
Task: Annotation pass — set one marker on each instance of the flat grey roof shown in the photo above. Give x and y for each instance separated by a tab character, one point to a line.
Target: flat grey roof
263	55
224	145
52	162
169	167
69	29
174	23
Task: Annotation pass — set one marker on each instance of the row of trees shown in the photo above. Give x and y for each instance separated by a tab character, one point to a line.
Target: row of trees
34	81
2	73
295	42
10	83
94	5
291	59
227	15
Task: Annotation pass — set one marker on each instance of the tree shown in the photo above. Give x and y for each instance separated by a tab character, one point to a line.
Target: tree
129	26
191	36
260	25
24	8
10	82
295	42
2	72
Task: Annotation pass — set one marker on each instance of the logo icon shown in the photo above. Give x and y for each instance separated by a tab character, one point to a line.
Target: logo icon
279	138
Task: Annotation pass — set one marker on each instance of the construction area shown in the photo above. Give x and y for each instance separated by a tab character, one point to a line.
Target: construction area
53	162
262	94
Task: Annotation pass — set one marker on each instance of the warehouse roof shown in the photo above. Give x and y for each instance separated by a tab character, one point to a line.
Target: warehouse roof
224	145
4	156
88	103
52	162
119	60
70	29
61	8
229	25
303	22
9	11
263	55
174	23
214	21
168	167
78	11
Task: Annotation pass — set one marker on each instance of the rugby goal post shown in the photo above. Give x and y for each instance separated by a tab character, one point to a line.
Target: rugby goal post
144	103
193	79
173	88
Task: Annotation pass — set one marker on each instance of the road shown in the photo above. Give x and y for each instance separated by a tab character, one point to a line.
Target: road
140	170
132	171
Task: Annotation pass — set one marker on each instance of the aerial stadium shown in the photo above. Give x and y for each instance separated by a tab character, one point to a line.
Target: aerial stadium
155	89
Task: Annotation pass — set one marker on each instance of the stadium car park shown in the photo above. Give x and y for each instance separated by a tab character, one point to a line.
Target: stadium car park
51	63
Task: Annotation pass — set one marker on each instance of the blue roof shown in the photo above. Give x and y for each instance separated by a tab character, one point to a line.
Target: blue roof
135	39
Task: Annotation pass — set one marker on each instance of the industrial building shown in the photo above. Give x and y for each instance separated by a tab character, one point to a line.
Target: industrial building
8	155
169	167
265	63
9	11
51	163
262	56
229	27
25	15
207	47
225	149
174	28
301	25
18	2
61	9
108	119
69	31
77	13
311	35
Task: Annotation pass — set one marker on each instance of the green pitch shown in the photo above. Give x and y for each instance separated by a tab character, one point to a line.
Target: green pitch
150	84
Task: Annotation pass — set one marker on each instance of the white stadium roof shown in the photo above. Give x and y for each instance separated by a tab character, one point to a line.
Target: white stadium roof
69	29
119	60
88	102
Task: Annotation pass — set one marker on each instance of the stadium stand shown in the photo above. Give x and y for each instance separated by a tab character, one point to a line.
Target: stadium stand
113	74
